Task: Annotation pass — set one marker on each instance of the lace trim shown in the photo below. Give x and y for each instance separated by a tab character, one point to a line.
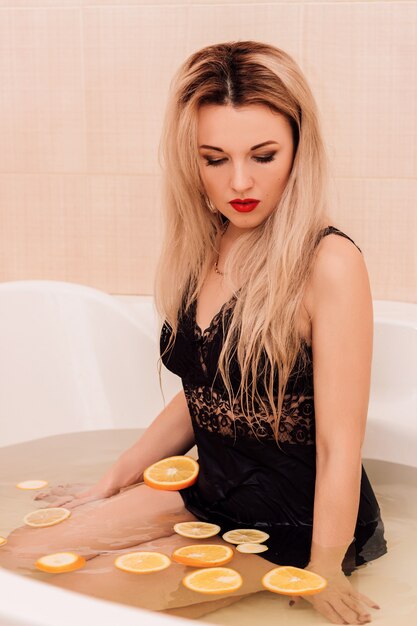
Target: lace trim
210	331
210	411
210	408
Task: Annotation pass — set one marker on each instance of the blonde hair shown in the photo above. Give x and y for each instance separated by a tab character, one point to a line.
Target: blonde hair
275	257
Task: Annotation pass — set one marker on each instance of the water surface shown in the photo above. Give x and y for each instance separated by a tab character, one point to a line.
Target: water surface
83	457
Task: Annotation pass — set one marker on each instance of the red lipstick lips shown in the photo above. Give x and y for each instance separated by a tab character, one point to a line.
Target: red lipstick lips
244	206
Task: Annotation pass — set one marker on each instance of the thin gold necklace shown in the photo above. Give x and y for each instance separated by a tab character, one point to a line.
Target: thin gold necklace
216	269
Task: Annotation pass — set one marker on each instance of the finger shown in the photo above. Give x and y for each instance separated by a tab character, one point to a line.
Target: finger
357	606
57	502
72	504
77	502
366	600
64	501
345	611
326	609
41	495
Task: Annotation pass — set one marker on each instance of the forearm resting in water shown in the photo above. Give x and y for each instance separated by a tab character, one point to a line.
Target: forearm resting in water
336	502
335	512
170	434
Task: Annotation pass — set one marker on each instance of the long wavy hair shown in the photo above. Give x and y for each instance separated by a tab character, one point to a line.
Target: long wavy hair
276	257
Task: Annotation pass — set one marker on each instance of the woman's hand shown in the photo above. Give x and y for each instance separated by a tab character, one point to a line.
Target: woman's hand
339	601
72	495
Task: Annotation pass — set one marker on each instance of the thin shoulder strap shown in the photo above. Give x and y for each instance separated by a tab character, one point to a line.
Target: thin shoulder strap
333	230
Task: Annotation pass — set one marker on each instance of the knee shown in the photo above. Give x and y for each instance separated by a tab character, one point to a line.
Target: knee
32	543
23	549
25	540
19	540
14	556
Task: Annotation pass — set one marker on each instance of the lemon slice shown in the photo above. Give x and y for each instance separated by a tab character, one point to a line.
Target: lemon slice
60	562
142	562
197	530
245	535
172	473
3	540
203	555
251	548
46	517
290	580
32	484
213	580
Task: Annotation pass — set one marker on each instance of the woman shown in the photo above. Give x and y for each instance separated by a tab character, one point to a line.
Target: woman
268	321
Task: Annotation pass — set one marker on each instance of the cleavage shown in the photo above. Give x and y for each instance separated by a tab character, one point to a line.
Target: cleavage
213	319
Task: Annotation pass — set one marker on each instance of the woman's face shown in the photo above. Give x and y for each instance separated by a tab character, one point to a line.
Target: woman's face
233	167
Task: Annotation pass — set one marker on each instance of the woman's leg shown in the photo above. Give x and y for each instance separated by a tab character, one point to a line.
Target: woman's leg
127	519
161	591
139	518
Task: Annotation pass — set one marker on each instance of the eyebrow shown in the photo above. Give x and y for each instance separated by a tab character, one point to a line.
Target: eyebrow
259	145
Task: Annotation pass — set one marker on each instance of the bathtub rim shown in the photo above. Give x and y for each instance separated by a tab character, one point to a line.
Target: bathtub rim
46	601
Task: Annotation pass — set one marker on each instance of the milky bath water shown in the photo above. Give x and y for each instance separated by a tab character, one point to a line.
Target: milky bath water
84	457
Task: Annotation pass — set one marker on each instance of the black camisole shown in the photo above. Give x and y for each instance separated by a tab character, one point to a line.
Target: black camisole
245	479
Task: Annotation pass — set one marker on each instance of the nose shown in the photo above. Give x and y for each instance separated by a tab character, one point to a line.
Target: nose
241	180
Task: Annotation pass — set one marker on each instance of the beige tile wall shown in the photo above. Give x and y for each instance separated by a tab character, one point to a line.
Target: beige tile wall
82	95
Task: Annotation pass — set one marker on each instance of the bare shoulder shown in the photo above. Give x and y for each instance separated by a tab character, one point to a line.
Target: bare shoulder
342	336
339	271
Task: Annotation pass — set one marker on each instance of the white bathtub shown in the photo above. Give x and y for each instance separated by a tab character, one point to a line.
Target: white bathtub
69	350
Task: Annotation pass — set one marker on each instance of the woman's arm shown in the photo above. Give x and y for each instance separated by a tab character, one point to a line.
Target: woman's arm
170	434
342	334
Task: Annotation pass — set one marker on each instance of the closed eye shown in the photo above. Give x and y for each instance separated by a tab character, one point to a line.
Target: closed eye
260	159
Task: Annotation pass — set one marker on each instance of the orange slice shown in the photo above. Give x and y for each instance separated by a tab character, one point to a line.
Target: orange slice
32	484
197	530
172	473
203	555
251	548
213	580
46	517
245	535
3	540
290	580
142	562
60	562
